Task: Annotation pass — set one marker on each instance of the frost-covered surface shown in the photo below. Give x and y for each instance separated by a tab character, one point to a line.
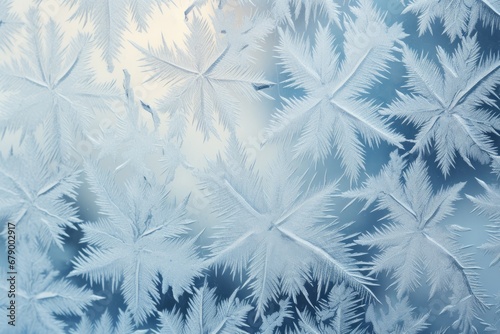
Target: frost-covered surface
235	166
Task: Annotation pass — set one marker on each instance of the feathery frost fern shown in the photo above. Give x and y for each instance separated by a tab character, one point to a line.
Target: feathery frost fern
109	18
334	113
452	104
414	240
282	237
52	84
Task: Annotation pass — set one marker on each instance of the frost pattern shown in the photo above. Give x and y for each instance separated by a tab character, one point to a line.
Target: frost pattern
224	166
414	240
